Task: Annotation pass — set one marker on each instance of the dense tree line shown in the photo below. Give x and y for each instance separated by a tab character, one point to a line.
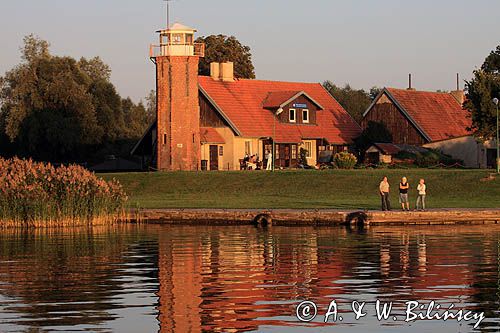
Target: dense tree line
354	101
60	109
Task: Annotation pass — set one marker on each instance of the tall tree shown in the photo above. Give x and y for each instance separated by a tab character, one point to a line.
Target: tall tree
46	106
352	100
59	109
375	132
221	48
151	106
492	62
480	90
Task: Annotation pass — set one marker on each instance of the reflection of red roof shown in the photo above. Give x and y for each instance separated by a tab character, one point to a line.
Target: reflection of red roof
439	115
210	135
241	102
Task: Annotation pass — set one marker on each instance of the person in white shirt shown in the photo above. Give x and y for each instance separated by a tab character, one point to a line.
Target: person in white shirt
384	194
421	188
269	157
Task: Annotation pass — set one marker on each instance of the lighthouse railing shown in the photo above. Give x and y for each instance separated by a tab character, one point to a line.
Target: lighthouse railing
176	49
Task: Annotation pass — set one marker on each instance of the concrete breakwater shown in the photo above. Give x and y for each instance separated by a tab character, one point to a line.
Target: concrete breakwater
314	217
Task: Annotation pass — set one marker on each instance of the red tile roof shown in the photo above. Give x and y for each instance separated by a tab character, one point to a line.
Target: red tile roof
439	115
393	149
241	102
210	135
276	98
388	148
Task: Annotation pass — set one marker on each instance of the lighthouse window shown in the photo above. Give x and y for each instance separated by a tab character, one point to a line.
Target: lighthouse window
176	38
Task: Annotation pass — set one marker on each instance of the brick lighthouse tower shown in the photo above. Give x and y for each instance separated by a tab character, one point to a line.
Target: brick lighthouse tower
177	107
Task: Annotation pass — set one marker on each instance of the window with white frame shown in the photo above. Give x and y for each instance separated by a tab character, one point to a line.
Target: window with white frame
305	116
292	116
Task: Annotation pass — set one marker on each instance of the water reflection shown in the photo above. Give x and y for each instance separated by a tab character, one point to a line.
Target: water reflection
75	279
241	279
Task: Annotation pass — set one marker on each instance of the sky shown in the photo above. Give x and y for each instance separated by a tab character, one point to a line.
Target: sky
361	42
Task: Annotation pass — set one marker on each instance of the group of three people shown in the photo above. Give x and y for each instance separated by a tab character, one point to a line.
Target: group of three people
404	187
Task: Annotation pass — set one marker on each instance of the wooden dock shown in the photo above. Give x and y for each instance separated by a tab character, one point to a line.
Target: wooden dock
314	217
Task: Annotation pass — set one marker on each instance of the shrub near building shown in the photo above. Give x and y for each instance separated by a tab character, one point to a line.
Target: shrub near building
344	160
38	194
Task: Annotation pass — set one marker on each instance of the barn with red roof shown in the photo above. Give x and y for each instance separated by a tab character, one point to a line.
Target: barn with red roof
434	120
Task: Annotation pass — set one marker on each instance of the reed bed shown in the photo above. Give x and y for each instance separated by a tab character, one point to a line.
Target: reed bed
40	195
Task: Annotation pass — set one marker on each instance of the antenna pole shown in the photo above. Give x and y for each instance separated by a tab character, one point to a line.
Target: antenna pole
168	13
458	81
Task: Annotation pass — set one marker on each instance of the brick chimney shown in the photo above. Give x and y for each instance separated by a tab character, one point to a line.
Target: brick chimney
222	71
227	71
214	70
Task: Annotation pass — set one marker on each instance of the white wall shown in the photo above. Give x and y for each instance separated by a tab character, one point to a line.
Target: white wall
464	148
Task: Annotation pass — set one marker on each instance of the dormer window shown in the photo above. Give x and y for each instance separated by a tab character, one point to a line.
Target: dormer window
292	116
305	116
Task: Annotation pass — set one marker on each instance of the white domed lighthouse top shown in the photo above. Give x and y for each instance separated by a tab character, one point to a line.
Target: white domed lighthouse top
177	40
178	27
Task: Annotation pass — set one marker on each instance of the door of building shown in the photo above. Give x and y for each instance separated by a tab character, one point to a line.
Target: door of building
311	152
214	157
491	155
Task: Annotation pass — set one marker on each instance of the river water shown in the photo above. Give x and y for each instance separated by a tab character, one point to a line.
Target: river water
245	279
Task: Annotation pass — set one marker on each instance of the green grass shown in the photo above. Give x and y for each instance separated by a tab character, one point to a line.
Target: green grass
343	189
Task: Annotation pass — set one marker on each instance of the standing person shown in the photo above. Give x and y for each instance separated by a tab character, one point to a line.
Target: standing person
384	193
403	193
269	157
421	188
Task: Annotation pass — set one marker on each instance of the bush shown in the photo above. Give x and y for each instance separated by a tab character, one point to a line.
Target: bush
405	155
375	132
344	160
427	159
38	194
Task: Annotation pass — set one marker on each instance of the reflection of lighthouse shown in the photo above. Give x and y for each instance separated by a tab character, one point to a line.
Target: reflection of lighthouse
238	279
385	259
422	255
180	285
405	254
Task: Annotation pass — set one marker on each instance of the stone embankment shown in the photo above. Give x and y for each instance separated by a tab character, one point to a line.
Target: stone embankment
314	217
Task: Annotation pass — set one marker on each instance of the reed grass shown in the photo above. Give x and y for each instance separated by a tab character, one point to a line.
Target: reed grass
40	195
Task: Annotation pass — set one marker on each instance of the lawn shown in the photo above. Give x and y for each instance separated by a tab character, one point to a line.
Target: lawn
343	189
